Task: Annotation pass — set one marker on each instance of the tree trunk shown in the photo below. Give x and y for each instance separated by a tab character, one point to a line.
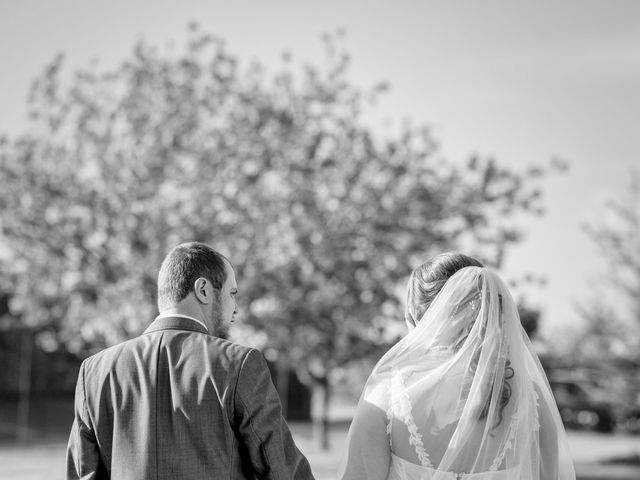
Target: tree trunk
320	398
26	357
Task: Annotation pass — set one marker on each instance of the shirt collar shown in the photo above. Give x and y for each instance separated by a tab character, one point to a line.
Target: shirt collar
180	315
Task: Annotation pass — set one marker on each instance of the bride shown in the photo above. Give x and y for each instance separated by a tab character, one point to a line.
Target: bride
463	394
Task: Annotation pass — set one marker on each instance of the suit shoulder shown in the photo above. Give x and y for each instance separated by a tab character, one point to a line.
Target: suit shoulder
230	349
111	354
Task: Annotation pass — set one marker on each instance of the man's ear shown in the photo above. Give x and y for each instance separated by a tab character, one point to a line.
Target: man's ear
202	290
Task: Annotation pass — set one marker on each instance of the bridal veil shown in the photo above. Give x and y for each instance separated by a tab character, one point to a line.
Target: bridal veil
464	393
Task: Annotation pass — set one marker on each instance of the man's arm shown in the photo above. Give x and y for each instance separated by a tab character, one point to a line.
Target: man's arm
83	456
261	427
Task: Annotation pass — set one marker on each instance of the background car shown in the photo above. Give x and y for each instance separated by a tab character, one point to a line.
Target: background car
583	405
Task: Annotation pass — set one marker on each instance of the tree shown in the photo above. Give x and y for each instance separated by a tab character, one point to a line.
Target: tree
609	340
613	318
530	319
322	215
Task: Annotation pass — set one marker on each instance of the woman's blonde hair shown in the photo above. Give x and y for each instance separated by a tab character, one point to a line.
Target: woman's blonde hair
427	280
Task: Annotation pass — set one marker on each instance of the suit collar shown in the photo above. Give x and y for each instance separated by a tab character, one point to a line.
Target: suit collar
171	322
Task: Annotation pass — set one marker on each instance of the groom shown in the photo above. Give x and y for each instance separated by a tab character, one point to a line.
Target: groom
180	401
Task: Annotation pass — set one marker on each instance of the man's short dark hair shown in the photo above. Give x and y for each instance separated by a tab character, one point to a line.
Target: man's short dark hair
183	266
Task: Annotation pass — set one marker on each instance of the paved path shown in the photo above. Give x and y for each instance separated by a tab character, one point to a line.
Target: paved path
46	460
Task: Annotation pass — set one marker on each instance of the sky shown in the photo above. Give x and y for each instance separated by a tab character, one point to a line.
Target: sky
523	82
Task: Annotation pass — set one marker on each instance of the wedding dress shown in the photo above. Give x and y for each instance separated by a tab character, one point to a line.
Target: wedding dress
461	396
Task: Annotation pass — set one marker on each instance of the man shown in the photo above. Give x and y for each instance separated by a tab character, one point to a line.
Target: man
180	401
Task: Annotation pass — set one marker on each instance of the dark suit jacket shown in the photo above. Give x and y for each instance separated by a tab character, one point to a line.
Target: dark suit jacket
178	403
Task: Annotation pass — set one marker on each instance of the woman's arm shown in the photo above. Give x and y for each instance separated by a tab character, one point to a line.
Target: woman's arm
368	454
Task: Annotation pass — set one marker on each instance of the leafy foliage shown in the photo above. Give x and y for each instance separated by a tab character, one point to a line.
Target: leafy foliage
323	215
613	320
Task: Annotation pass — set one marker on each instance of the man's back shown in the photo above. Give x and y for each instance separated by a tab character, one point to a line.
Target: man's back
179	403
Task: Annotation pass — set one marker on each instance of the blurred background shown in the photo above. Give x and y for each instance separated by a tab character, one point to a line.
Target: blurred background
327	149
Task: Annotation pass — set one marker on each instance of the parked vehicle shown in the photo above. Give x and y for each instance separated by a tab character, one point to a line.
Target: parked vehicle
584	405
630	421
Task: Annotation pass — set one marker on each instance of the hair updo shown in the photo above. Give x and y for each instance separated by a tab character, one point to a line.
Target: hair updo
427	280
